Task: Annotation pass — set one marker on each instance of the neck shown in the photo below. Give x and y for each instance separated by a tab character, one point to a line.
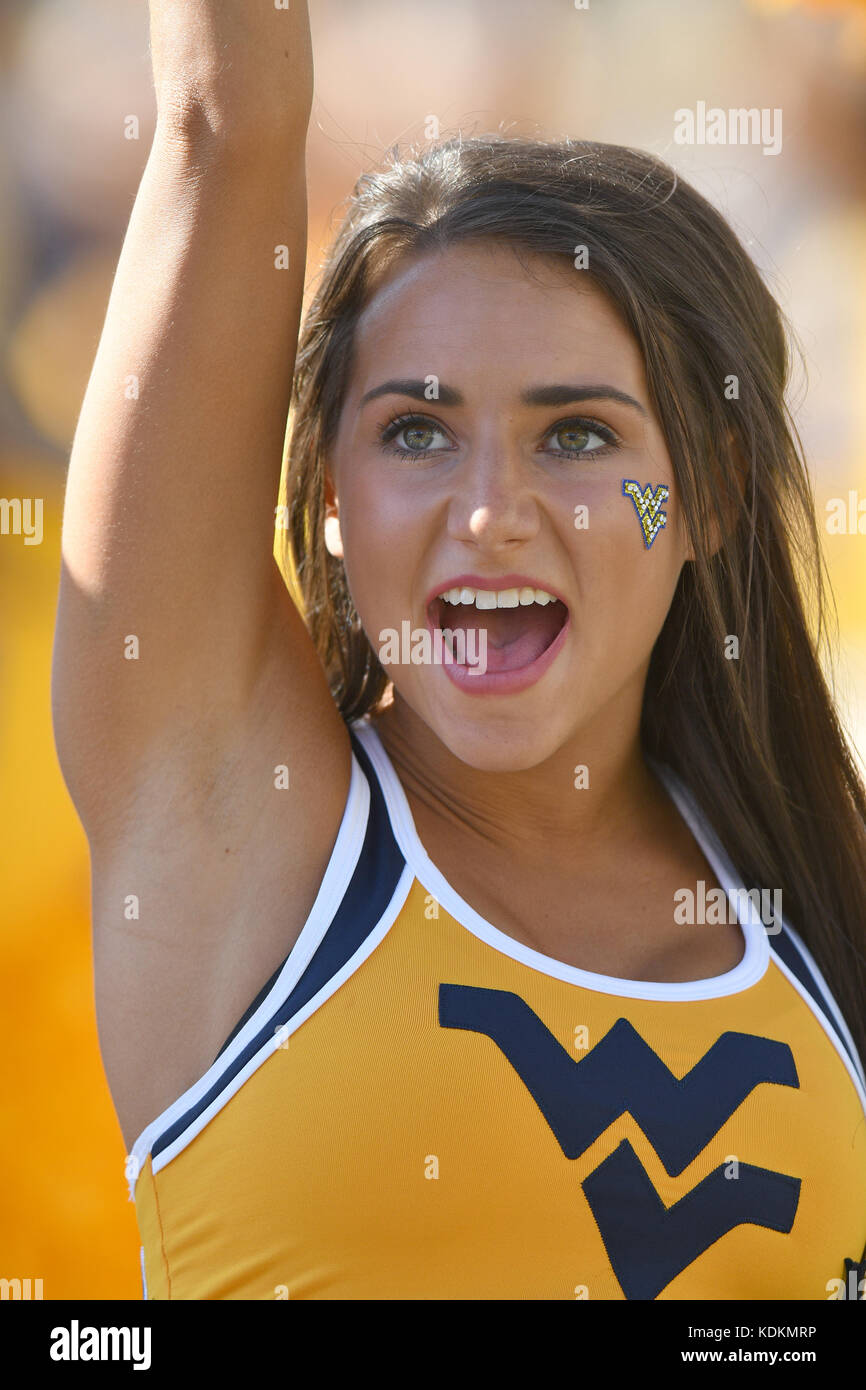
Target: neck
537	816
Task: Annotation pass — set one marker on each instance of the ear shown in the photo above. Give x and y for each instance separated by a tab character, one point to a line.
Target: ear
730	508
715	539
333	537
733	504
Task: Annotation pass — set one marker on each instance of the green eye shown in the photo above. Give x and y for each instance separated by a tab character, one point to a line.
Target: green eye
573	437
417	436
581	438
412	436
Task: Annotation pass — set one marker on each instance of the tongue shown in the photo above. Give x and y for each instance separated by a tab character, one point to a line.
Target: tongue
515	636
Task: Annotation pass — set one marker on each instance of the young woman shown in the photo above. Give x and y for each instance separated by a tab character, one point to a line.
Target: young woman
555	946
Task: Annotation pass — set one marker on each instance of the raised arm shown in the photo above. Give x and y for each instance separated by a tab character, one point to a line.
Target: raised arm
173	618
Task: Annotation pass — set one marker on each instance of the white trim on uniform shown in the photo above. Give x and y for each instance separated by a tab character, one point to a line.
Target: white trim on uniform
828	999
338	875
746	973
275	1042
852	1070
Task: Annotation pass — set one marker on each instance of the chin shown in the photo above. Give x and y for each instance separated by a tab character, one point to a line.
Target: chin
496	743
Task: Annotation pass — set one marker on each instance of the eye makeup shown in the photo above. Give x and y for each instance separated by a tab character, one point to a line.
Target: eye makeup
391	428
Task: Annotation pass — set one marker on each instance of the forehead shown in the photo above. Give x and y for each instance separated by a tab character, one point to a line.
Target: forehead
485	308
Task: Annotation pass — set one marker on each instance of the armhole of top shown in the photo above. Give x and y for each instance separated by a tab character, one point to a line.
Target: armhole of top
248	1013
360	762
362	888
351	813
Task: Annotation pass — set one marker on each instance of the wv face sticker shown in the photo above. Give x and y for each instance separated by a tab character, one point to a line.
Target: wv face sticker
648	505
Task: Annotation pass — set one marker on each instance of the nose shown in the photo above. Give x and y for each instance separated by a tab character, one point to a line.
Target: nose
492	506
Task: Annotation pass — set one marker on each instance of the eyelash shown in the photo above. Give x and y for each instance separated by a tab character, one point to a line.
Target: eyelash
391	427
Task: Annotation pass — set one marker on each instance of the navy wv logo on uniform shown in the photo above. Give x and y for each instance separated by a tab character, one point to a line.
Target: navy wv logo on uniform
647	1243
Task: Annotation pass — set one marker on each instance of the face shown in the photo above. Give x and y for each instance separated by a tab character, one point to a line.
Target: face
494	413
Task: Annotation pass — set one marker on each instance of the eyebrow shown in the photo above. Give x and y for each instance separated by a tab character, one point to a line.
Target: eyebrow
555	395
415	388
572	395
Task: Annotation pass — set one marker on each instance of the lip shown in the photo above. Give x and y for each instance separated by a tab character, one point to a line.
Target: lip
500	682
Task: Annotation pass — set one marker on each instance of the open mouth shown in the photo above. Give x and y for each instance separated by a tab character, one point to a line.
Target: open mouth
515	626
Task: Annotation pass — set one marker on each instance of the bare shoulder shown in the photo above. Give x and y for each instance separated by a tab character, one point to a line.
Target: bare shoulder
204	887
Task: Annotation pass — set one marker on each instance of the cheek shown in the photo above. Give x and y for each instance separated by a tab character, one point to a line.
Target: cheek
379	544
624	587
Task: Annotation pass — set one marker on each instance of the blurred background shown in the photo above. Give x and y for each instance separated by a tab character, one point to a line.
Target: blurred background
73	74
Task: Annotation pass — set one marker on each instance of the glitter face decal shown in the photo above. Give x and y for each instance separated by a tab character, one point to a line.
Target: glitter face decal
648	505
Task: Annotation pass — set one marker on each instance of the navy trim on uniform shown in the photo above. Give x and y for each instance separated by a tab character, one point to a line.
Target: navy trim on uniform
372	886
784	946
245	1017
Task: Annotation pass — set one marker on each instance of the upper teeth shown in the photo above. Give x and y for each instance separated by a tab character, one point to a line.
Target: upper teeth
497	598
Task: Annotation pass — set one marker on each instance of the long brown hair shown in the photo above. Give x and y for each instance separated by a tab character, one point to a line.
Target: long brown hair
756	737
